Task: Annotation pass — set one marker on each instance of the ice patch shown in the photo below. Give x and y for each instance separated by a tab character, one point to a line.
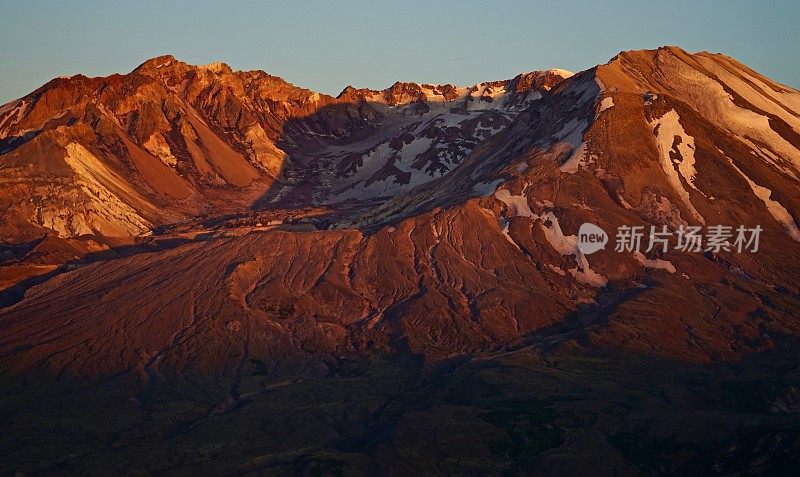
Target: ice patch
711	97
607	102
666	128
778	212
654	262
585	274
355	186
568	245
532	97
575	160
564	244
14	112
504	223
517	204
572	134
561	72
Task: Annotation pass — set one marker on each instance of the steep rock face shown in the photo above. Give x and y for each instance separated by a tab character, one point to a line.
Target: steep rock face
425	132
169	140
435	219
188	139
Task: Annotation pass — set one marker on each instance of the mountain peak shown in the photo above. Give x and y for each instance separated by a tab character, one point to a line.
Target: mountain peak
403	92
157	63
166	65
216	67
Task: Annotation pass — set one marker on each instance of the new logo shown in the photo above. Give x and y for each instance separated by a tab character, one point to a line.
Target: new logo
591	238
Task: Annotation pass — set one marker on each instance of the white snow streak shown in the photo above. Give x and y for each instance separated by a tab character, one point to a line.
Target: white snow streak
654	262
779	212
563	244
666	128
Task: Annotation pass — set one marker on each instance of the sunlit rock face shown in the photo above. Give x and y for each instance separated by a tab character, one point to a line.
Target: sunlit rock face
441	217
215	271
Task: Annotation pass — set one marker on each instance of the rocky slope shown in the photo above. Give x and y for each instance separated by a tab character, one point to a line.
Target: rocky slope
451	213
121	155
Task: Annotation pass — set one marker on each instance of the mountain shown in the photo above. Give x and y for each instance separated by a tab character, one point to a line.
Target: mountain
121	155
207	248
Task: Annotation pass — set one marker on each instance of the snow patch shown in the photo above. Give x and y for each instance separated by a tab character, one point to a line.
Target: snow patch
561	72
654	262
710	96
575	160
504	223
666	128
14	112
517	204
585	274
778	212
564	244
607	102
532	97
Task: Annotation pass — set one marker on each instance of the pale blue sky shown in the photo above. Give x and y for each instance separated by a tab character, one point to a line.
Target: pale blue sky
328	45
